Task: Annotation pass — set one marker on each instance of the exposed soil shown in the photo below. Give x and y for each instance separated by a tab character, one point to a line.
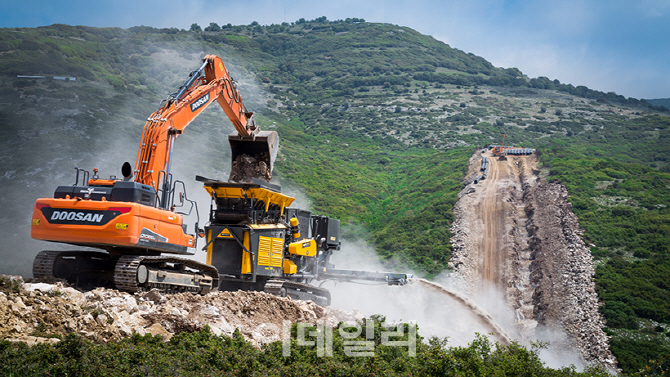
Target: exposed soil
246	167
515	233
39	309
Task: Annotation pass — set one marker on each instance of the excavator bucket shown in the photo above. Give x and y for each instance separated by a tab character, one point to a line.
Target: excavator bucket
253	157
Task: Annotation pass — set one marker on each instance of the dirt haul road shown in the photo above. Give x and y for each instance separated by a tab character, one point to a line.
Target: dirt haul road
492	209
515	234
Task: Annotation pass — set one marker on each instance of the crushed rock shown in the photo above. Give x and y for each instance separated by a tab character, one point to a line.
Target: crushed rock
562	271
40	310
246	167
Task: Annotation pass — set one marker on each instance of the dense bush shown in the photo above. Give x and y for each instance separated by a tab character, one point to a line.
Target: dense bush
202	353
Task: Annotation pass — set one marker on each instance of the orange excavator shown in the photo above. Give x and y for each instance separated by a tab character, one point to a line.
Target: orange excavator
138	219
499	150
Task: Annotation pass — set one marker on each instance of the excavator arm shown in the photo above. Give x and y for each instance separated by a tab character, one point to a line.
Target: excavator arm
210	82
229	98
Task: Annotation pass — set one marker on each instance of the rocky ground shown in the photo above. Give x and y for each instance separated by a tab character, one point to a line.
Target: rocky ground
32	312
515	233
562	272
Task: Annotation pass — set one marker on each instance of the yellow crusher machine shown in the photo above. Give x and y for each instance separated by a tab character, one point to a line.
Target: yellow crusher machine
257	242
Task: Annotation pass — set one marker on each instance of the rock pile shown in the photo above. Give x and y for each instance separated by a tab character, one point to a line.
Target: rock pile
562	271
463	259
246	167
39	309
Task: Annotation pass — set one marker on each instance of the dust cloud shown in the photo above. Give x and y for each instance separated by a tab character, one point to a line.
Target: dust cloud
436	312
558	350
442	309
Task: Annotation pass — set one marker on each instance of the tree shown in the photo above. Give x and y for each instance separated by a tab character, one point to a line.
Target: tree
543	109
213	26
514	72
558	112
196	28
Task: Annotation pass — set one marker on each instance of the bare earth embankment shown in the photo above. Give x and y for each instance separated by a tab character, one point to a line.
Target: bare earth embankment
515	233
39	310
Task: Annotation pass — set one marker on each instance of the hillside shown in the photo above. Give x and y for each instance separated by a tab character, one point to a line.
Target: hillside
377	124
665	102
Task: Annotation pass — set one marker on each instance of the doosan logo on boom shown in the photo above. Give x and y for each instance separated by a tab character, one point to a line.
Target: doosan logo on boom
200	102
77	216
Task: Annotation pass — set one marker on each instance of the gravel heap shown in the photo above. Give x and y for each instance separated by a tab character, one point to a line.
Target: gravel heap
246	167
38	310
563	272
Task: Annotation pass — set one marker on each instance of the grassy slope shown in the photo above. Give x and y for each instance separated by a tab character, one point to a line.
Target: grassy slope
623	208
377	123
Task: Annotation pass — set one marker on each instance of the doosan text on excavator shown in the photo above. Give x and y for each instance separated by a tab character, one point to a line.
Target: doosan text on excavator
254	240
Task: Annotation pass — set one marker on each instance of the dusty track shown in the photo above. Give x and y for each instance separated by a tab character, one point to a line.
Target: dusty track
515	234
491	210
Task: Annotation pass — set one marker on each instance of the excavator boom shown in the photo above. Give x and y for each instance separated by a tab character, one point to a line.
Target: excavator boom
254	240
210	82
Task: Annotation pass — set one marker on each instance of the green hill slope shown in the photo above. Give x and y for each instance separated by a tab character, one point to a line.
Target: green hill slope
660	102
377	122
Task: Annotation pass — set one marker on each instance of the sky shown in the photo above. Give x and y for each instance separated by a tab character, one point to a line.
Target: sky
620	46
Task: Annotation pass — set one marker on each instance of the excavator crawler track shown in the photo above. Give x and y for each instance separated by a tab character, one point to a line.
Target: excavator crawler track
43	265
76	266
298	291
134	273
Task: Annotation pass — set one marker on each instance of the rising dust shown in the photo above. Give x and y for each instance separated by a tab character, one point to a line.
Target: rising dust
484	318
437	309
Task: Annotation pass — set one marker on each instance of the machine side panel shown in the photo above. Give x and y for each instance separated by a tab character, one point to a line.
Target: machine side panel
104	224
269	243
226	252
